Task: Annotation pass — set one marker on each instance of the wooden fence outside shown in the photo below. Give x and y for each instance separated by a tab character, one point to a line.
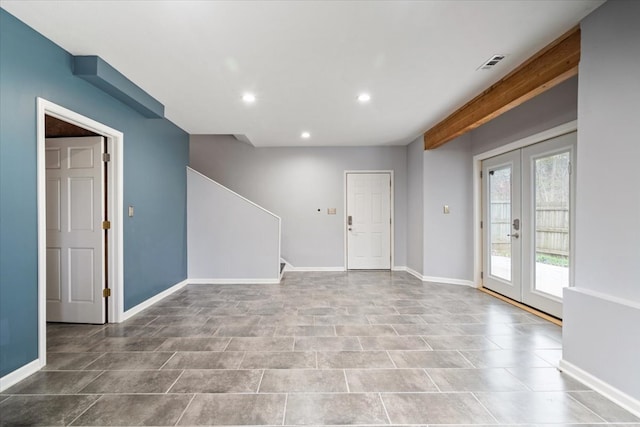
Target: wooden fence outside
552	229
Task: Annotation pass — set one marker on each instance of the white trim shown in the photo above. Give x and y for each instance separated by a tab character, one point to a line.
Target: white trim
233	193
20	374
115	141
433	279
233	281
392	208
287	265
615	395
292	268
607	297
154	299
448	281
563	129
414	273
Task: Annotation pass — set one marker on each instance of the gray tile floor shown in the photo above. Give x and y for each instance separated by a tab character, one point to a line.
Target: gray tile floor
366	348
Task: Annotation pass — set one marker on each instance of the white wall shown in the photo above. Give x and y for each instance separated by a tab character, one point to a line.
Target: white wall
415	205
608	202
229	238
294	183
448	238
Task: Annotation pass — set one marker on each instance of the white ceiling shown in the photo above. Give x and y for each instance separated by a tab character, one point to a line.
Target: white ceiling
306	61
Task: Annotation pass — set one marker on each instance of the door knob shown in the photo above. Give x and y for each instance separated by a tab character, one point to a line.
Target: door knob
516	235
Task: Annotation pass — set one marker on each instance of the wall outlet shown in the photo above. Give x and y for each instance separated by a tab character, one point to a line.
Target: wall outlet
331	211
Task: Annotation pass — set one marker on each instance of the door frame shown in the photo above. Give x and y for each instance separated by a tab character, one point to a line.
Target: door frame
115	141
556	131
391	207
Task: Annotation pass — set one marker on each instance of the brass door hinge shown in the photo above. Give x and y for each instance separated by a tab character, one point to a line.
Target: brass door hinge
106	225
106	292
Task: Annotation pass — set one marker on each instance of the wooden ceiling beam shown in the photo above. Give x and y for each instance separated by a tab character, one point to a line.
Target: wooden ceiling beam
552	65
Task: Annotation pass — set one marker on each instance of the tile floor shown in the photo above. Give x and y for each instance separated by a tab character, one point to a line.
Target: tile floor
366	348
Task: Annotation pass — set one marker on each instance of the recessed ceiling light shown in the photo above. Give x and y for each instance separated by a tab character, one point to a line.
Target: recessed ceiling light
249	98
364	97
305	135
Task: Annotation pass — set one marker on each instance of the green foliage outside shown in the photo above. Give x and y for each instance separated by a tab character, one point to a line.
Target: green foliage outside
558	260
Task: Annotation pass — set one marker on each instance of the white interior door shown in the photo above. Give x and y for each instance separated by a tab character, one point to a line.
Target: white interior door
528	200
369	221
75	239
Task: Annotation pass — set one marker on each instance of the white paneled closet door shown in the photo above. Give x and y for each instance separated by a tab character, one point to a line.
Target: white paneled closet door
75	238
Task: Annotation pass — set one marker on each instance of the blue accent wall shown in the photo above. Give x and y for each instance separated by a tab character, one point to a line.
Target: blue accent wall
156	153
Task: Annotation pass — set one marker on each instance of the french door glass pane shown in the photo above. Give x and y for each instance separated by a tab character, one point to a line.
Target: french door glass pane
552	202
500	214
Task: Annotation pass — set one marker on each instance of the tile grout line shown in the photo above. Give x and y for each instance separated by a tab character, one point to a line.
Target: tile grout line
585	406
244	355
384	407
391	358
167	361
346	381
467	360
484	407
174	383
426	342
431	379
226	345
86	385
184	411
519	380
89	407
284	412
260	382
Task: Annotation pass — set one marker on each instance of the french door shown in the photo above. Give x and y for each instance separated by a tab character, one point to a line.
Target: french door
528	211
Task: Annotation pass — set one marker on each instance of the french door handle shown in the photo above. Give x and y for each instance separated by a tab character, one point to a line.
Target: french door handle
516	235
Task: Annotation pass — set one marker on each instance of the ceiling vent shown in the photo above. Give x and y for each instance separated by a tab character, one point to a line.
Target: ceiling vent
491	62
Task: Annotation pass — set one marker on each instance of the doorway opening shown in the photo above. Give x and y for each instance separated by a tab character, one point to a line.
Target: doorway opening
526	222
369	220
56	121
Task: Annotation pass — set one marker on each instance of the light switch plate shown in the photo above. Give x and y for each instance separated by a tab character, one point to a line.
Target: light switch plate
445	209
130	211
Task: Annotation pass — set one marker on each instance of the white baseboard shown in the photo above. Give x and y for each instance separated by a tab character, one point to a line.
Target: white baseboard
445	280
414	273
448	281
292	268
233	281
19	374
624	400
154	299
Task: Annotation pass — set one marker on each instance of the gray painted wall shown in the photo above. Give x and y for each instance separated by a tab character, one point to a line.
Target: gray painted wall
448	238
447	178
294	183
415	205
552	108
241	241
608	202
